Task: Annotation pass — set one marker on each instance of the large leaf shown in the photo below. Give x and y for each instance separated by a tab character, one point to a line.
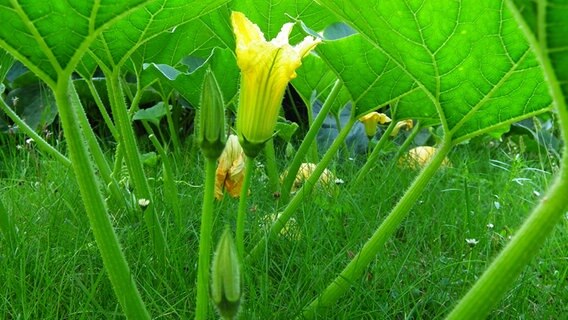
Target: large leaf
548	22
465	62
155	22
49	36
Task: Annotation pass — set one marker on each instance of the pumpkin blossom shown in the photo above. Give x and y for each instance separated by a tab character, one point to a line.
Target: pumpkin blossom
371	120
266	68
326	180
230	170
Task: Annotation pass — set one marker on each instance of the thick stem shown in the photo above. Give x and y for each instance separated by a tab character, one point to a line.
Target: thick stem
271	166
373	157
308	141
501	274
299	198
359	263
134	164
205	234
96	151
107	242
241	215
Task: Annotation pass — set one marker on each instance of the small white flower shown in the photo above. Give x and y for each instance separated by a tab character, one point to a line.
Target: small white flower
490	225
143	203
29	141
497	205
19	147
339	181
471	242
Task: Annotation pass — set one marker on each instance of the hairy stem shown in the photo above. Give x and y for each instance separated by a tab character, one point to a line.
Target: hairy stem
300	196
241	215
205	232
271	166
373	157
107	242
308	141
377	241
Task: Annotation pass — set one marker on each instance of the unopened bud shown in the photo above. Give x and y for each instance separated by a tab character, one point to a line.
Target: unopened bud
211	118
226	277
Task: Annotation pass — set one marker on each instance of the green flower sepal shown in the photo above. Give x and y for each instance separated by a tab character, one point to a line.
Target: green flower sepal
226	279
211	136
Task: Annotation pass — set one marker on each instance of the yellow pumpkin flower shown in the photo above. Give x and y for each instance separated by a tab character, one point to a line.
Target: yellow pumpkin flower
230	171
266	68
327	180
371	120
419	156
406	124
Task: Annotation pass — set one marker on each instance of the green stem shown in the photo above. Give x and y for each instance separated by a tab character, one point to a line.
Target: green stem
134	163
408	141
105	237
308	140
102	109
241	215
40	142
300	196
171	191
501	274
503	271
373	157
95	148
359	263
172	127
271	166
205	235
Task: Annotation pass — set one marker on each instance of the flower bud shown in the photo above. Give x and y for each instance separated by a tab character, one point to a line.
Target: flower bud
226	277
211	118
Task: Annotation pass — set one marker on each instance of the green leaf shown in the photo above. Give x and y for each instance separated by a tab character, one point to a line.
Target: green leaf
38	33
34	104
155	21
467	62
270	16
188	84
286	129
152	114
551	32
314	81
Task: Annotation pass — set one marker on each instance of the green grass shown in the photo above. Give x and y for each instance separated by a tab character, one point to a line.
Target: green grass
56	272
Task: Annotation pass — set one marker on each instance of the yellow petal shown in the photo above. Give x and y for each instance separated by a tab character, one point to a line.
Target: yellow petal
266	69
370	121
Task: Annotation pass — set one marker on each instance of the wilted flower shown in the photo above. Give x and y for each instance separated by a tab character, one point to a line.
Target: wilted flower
419	156
266	68
226	277
231	168
404	124
371	120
